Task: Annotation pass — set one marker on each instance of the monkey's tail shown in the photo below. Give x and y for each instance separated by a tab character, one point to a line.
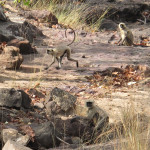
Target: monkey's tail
73	33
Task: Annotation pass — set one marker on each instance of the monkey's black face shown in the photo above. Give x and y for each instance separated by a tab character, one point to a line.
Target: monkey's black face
49	51
89	104
122	25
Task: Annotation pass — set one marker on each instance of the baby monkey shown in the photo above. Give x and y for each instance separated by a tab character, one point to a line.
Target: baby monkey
126	35
59	52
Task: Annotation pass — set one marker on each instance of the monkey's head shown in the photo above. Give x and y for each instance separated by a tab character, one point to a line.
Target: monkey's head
50	51
122	26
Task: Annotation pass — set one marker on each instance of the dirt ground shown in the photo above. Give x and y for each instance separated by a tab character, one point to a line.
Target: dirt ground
93	53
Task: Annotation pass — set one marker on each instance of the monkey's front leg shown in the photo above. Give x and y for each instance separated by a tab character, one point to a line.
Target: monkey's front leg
53	61
122	41
59	62
119	41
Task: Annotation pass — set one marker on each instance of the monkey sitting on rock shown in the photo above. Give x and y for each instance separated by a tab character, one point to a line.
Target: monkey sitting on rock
93	114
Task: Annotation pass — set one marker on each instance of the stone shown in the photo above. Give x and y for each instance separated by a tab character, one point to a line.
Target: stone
24	46
4	38
39	105
11	58
26	30
26	100
10	97
11	145
9	134
60	102
108	25
13	135
46	134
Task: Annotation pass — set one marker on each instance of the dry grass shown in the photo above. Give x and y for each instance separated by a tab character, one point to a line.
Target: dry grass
73	14
132	133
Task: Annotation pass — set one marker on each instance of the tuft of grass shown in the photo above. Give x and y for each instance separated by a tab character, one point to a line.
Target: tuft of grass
133	130
131	133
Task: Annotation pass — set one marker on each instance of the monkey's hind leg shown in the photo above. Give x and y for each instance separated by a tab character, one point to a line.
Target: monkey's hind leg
53	61
70	59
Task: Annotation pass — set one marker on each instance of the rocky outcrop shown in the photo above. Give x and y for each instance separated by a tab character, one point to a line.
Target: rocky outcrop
60	102
26	30
9	97
24	46
46	134
11	58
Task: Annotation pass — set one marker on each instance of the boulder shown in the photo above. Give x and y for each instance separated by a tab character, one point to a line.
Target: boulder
46	134
13	135
108	25
60	102
11	58
5	38
24	46
26	100
11	145
26	30
10	97
74	127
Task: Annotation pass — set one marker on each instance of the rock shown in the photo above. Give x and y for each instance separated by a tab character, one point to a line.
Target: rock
26	30
26	100
60	102
24	46
39	105
35	92
10	97
82	33
13	135
11	58
9	134
14	98
108	25
4	38
2	15
11	145
46	134
77	127
42	16
5	115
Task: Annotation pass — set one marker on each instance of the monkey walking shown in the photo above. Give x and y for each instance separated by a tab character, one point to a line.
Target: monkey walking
126	35
59	52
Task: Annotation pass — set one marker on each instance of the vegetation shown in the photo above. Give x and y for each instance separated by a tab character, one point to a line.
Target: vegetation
130	134
76	14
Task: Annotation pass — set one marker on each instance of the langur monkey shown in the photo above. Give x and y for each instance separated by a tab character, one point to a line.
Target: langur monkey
126	35
59	52
92	113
